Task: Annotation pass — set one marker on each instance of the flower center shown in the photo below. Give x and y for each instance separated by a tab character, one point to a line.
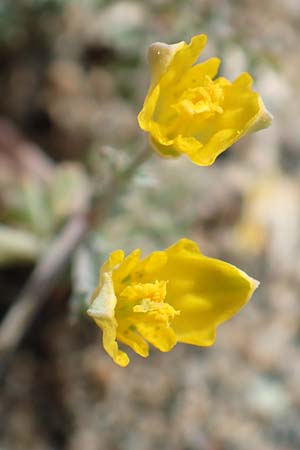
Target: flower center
146	299
205	100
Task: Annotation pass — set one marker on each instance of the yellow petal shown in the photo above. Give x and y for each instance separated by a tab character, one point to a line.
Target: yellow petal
262	120
109	342
165	151
205	155
158	334
154	262
197	73
145	116
160	56
186	56
114	259
190	146
206	291
104	300
102	310
129	336
121	274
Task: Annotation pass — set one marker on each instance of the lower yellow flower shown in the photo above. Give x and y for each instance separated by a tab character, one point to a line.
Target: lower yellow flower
175	295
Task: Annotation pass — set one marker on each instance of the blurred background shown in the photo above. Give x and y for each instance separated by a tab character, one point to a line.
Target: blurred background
73	77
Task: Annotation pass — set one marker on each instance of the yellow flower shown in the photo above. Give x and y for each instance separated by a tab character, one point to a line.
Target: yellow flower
188	111
175	295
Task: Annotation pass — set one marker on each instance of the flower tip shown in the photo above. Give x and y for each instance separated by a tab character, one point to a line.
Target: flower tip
199	40
254	285
122	359
263	120
104	300
159	58
267	118
161	50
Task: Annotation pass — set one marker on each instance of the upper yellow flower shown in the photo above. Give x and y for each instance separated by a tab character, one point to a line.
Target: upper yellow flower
188	111
175	295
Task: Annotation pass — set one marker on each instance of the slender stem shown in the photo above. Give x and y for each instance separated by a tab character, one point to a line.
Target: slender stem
52	264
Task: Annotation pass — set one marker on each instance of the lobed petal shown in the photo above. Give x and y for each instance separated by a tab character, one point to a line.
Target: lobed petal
121	274
128	335
184	58
102	310
206	291
114	259
160	335
110	345
196	74
152	263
